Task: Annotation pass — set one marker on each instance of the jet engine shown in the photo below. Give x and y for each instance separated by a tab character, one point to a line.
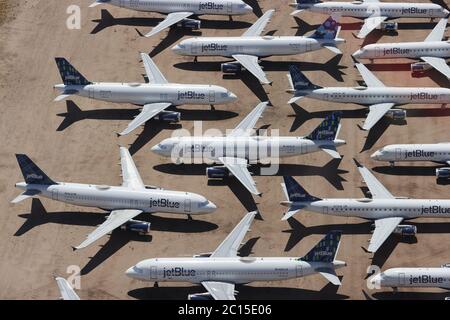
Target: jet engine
168	116
200	296
217	172
140	227
442	173
405	230
396	114
389	26
419	68
231	67
190	24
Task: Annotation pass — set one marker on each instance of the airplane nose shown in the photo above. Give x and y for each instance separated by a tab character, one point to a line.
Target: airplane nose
210	207
357	54
131	273
248	9
176	49
376	155
156	149
232	96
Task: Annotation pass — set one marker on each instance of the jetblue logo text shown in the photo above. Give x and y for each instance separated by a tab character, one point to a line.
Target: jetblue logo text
435	209
191	95
419	154
425	279
34	176
414	10
210	6
178	272
424	96
164	203
214	47
395	51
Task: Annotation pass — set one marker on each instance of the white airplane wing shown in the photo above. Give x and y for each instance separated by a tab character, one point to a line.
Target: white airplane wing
238	167
331	150
220	290
439	64
170	20
67	293
245	127
330	275
438	32
376	112
251	64
258	27
377	190
148	112
383	229
369	78
130	174
115	220
230	246
154	75
370	24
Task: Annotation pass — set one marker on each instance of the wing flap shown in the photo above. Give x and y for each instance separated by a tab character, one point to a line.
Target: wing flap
383	229
251	64
238	167
170	20
376	112
220	290
148	112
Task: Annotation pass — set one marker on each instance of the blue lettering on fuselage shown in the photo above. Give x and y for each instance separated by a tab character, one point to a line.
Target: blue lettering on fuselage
419	154
424	279
178	272
164	203
414	10
210	6
435	210
214	47
191	95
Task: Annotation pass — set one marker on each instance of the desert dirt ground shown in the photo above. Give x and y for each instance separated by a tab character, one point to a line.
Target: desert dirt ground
76	142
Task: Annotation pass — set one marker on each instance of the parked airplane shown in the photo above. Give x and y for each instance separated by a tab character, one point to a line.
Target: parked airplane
436	152
239	148
124	203
386	210
376	95
248	48
179	11
373	12
66	290
155	96
433	51
222	269
414	277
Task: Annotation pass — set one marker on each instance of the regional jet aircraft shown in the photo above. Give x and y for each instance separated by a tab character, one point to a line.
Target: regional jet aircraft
124	203
221	270
248	48
375	94
155	97
373	12
386	210
239	148
179	11
433	51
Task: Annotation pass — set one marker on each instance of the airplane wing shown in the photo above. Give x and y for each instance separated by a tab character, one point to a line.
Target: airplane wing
439	64
67	293
376	112
258	27
230	246
251	64
220	290
115	220
438	32
130	174
170	20
238	167
370	24
148	112
154	75
244	128
377	190
369	78
383	229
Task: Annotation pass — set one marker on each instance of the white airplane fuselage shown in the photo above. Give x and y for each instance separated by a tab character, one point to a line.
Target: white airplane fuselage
117	198
437	152
255	46
384	9
413	50
140	94
414	277
376	95
198	7
253	148
235	270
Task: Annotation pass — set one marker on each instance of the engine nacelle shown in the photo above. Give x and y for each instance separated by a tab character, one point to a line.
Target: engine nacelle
140	227
217	173
405	230
203	255
168	116
396	114
200	297
389	26
443	173
419	68
190	24
231	67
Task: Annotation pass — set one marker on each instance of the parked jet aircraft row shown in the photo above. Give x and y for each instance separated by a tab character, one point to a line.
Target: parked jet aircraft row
221	270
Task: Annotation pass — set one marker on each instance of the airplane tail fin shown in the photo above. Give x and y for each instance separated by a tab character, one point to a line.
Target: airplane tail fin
31	172
328	129
69	74
326	250
299	81
329	30
296	196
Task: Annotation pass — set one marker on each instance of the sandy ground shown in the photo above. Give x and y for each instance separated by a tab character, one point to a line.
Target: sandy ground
81	146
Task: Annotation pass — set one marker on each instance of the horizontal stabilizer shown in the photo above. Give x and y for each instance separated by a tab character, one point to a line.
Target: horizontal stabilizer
331	150
25	195
330	275
291	212
333	49
294	99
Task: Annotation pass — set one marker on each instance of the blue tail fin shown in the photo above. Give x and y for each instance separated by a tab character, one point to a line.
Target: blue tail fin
326	249
328	30
299	80
69	74
31	172
296	193
328	129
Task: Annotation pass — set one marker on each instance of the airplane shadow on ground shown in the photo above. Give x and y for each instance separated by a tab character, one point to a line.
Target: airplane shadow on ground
425	171
39	216
246	292
403	295
301	116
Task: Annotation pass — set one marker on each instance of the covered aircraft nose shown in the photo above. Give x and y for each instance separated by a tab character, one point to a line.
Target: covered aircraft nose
232	96
357	54
248	9
376	280
376	155
177	49
131	272
210	207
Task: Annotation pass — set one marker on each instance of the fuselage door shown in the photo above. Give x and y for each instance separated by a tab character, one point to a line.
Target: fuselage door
134	3
91	93
153	273
212	96
378	52
55	194
194	48
325	210
398	153
229	7
401	278
298	271
187	205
